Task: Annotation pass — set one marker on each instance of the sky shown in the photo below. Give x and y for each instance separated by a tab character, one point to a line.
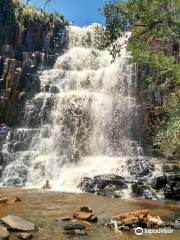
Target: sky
80	12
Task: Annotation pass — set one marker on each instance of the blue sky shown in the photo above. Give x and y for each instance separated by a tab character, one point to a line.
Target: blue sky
81	12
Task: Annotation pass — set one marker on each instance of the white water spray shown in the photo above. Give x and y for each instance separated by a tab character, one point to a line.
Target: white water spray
84	120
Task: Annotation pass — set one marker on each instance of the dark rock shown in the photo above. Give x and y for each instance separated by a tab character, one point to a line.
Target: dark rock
46	88
74	227
177	194
108	193
159	182
140	167
172	189
175	177
76	232
171	168
138	188
102	182
18	223
86	209
54	89
4	130
168	193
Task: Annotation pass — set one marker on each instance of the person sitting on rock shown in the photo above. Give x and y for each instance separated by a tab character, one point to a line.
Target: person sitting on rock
46	185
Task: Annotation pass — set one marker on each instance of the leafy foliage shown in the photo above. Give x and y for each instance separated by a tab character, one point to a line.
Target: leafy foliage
168	136
155	27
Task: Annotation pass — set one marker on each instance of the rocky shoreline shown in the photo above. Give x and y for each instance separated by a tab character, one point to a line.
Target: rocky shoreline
83	221
141	178
54	214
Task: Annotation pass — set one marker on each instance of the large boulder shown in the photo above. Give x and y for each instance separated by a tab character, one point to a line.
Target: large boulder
74	226
18	223
138	188
75	229
159	182
101	182
172	189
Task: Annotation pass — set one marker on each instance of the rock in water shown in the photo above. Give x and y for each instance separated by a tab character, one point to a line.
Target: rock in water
74	227
138	218
4	235
101	182
18	223
159	182
138	188
85	214
150	195
76	232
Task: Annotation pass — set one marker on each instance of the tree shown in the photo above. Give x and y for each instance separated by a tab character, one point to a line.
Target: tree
154	43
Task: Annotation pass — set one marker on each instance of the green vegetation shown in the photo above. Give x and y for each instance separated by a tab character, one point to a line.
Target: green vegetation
154	44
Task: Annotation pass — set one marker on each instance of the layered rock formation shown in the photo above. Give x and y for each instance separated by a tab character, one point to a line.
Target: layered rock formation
28	42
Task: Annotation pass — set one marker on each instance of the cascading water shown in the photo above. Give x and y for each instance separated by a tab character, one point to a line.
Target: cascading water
83	121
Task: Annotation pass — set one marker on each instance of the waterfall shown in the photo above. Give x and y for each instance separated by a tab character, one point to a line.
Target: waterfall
83	121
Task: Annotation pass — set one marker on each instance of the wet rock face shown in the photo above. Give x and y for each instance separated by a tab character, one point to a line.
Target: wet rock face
4	130
159	182
138	188
102	182
172	188
140	167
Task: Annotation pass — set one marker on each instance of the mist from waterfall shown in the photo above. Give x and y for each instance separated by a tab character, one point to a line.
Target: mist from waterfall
83	121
